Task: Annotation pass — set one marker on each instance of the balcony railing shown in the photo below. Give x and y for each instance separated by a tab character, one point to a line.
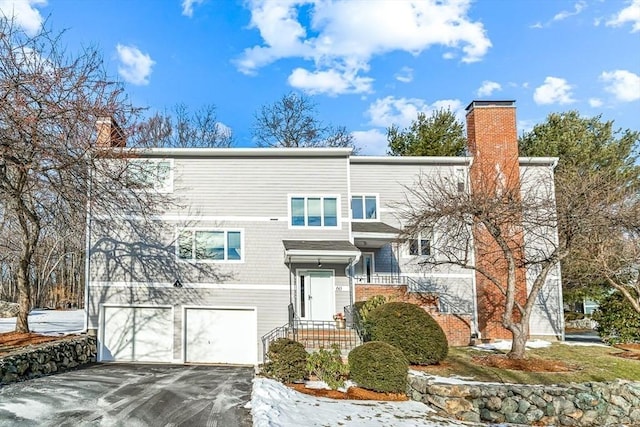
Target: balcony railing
389	279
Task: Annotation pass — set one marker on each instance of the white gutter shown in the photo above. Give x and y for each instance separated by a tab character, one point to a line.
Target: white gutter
238	152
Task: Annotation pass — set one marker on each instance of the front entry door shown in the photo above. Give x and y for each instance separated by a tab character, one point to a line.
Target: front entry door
316	295
365	268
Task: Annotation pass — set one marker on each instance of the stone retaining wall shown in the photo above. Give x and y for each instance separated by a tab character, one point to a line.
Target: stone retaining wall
47	358
588	404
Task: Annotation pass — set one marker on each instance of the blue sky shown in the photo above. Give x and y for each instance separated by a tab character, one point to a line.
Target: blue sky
367	64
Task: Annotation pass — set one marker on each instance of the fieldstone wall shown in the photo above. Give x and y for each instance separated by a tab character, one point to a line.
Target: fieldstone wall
588	404
47	358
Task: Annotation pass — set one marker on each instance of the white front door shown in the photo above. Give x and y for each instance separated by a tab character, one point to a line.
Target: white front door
316	295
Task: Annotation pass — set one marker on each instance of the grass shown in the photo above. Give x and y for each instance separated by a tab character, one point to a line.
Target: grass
587	363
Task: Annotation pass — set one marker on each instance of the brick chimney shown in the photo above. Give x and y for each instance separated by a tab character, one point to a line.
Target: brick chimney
109	133
493	143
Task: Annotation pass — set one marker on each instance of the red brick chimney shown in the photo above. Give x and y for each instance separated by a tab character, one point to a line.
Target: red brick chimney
493	143
109	133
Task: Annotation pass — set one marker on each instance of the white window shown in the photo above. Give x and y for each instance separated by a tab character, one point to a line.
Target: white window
364	207
150	174
209	245
314	211
420	245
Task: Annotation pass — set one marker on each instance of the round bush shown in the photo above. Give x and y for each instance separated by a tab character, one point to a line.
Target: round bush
287	361
412	330
379	366
617	321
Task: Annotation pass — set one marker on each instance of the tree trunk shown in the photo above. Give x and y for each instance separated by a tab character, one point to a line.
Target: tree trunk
519	333
24	297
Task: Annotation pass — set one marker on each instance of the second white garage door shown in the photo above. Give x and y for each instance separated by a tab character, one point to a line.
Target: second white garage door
220	335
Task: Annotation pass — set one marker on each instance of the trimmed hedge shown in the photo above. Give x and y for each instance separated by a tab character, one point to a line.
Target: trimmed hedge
287	361
412	330
379	366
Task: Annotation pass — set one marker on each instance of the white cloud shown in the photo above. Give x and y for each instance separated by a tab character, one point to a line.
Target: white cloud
577	8
554	91
623	84
405	75
331	82
488	87
401	111
187	6
339	37
135	66
371	142
24	13
595	102
630	14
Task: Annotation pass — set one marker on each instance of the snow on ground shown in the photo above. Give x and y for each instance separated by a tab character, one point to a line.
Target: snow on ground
584	344
49	322
506	345
275	405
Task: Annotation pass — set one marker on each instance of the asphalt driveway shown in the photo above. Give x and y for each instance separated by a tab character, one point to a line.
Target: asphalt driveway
131	395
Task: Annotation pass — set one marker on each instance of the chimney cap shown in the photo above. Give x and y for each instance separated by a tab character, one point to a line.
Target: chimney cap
478	103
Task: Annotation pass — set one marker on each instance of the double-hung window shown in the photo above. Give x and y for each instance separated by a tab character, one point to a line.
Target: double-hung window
209	245
420	245
150	174
314	211
364	207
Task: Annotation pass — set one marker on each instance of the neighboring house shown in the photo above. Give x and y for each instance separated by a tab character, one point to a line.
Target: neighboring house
254	232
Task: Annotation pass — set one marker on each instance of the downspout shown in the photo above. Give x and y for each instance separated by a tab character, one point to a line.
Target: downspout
87	250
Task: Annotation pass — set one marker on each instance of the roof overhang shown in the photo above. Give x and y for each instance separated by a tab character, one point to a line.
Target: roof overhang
373	234
320	252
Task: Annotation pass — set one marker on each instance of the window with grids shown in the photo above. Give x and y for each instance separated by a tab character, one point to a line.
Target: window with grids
317	211
210	245
150	174
364	207
420	245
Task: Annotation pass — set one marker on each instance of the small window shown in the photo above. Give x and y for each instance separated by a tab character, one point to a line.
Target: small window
209	245
150	174
314	211
364	207
420	246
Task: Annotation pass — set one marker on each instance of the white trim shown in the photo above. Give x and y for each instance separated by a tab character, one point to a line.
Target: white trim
452	160
101	319
322	197
239	152
194	285
183	329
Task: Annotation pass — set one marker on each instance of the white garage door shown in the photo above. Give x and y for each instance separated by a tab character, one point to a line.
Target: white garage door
220	335
137	334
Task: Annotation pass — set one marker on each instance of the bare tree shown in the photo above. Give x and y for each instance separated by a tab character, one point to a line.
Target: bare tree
292	122
50	102
611	248
181	128
512	229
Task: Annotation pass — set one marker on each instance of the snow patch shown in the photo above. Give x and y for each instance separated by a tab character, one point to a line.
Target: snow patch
505	345
49	322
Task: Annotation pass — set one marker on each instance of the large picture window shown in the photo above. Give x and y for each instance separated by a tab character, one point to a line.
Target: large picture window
210	245
364	207
317	211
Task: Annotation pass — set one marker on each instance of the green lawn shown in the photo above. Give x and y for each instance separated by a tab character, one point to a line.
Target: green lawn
587	364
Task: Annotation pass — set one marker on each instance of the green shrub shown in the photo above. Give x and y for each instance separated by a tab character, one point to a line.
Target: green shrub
412	330
328	367
379	366
287	361
617	321
364	310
